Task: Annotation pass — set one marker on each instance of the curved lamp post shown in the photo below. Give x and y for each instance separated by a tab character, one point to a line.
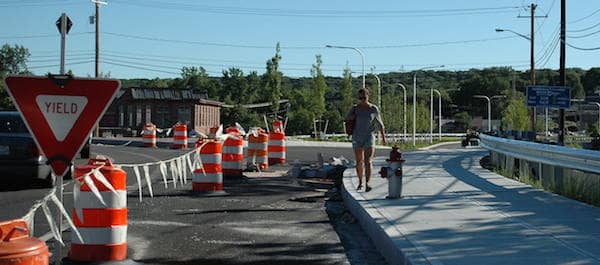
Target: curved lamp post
489	100
362	57
414	133
404	111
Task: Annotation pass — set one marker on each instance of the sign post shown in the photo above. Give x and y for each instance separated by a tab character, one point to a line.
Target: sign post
60	112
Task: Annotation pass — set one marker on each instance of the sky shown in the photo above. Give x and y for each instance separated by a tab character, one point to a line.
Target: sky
156	38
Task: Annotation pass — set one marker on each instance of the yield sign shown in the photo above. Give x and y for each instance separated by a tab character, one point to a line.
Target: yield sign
60	113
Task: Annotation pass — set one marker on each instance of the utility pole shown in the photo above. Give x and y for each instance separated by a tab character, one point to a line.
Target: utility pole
97	22
97	67
563	76
532	16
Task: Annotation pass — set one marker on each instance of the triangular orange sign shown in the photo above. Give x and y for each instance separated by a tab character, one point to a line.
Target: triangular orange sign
61	113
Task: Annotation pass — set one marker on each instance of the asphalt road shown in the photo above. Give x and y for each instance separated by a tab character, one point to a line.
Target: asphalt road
265	218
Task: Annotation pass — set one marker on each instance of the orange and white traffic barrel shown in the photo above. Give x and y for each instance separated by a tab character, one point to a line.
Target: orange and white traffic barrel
103	227
149	135
233	153
257	149
208	178
277	144
180	139
17	247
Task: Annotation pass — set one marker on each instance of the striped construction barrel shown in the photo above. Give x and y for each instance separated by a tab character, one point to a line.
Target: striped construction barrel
103	228
149	137
277	144
208	178
233	153
257	149
180	139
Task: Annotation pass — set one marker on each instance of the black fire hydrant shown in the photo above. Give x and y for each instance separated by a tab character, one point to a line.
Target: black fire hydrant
393	173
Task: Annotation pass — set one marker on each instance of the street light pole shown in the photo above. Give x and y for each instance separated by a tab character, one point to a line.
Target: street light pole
403	112
489	110
415	101
431	115
378	90
439	113
489	100
362	57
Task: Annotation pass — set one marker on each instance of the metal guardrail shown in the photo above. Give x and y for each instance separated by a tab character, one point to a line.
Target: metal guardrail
584	160
396	135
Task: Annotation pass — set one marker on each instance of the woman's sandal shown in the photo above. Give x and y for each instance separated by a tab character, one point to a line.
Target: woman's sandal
359	187
367	189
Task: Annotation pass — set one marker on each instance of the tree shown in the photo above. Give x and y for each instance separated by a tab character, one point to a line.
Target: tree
346	91
12	61
591	80
574	82
463	120
272	81
422	118
234	86
196	78
516	115
318	88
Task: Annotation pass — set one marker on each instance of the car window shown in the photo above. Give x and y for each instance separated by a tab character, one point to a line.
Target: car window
12	124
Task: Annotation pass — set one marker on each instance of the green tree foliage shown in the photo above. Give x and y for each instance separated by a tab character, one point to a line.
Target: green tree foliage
318	88
463	120
591	80
234	85
391	111
12	61
346	95
422	118
574	81
272	81
516	115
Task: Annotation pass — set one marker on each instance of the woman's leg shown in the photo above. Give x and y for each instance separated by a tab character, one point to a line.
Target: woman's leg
359	155
368	154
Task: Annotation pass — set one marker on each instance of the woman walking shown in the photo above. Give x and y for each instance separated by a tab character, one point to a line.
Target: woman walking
366	121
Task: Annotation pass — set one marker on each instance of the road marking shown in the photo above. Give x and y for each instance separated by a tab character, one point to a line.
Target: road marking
160	223
228	242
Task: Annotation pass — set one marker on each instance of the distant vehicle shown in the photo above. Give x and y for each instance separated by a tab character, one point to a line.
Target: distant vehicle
20	159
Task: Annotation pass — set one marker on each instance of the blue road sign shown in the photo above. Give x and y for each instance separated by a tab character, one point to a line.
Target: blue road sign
549	97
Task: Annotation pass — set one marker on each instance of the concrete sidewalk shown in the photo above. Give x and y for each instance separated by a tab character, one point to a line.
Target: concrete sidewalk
455	212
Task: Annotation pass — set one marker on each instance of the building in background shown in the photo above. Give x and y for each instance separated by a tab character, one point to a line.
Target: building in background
135	106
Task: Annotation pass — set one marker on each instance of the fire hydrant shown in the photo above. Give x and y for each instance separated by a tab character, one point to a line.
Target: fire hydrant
393	173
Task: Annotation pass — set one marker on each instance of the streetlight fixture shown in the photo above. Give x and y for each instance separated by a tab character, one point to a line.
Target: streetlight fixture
489	100
362	57
440	111
532	65
378	90
403	112
415	100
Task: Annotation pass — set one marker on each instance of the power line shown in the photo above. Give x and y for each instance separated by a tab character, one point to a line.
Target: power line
57	65
304	47
231	10
586	17
582	49
436	43
140	68
39	4
585	29
43	35
585	35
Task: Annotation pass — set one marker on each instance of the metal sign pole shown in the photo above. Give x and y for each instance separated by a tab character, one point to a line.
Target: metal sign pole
59	180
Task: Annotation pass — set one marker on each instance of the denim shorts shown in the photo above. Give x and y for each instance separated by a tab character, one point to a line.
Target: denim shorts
363	141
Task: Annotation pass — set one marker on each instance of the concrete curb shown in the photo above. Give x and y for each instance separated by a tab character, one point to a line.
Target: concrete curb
391	242
437	145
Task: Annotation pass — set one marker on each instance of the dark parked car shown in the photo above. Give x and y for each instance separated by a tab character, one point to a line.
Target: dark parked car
20	159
